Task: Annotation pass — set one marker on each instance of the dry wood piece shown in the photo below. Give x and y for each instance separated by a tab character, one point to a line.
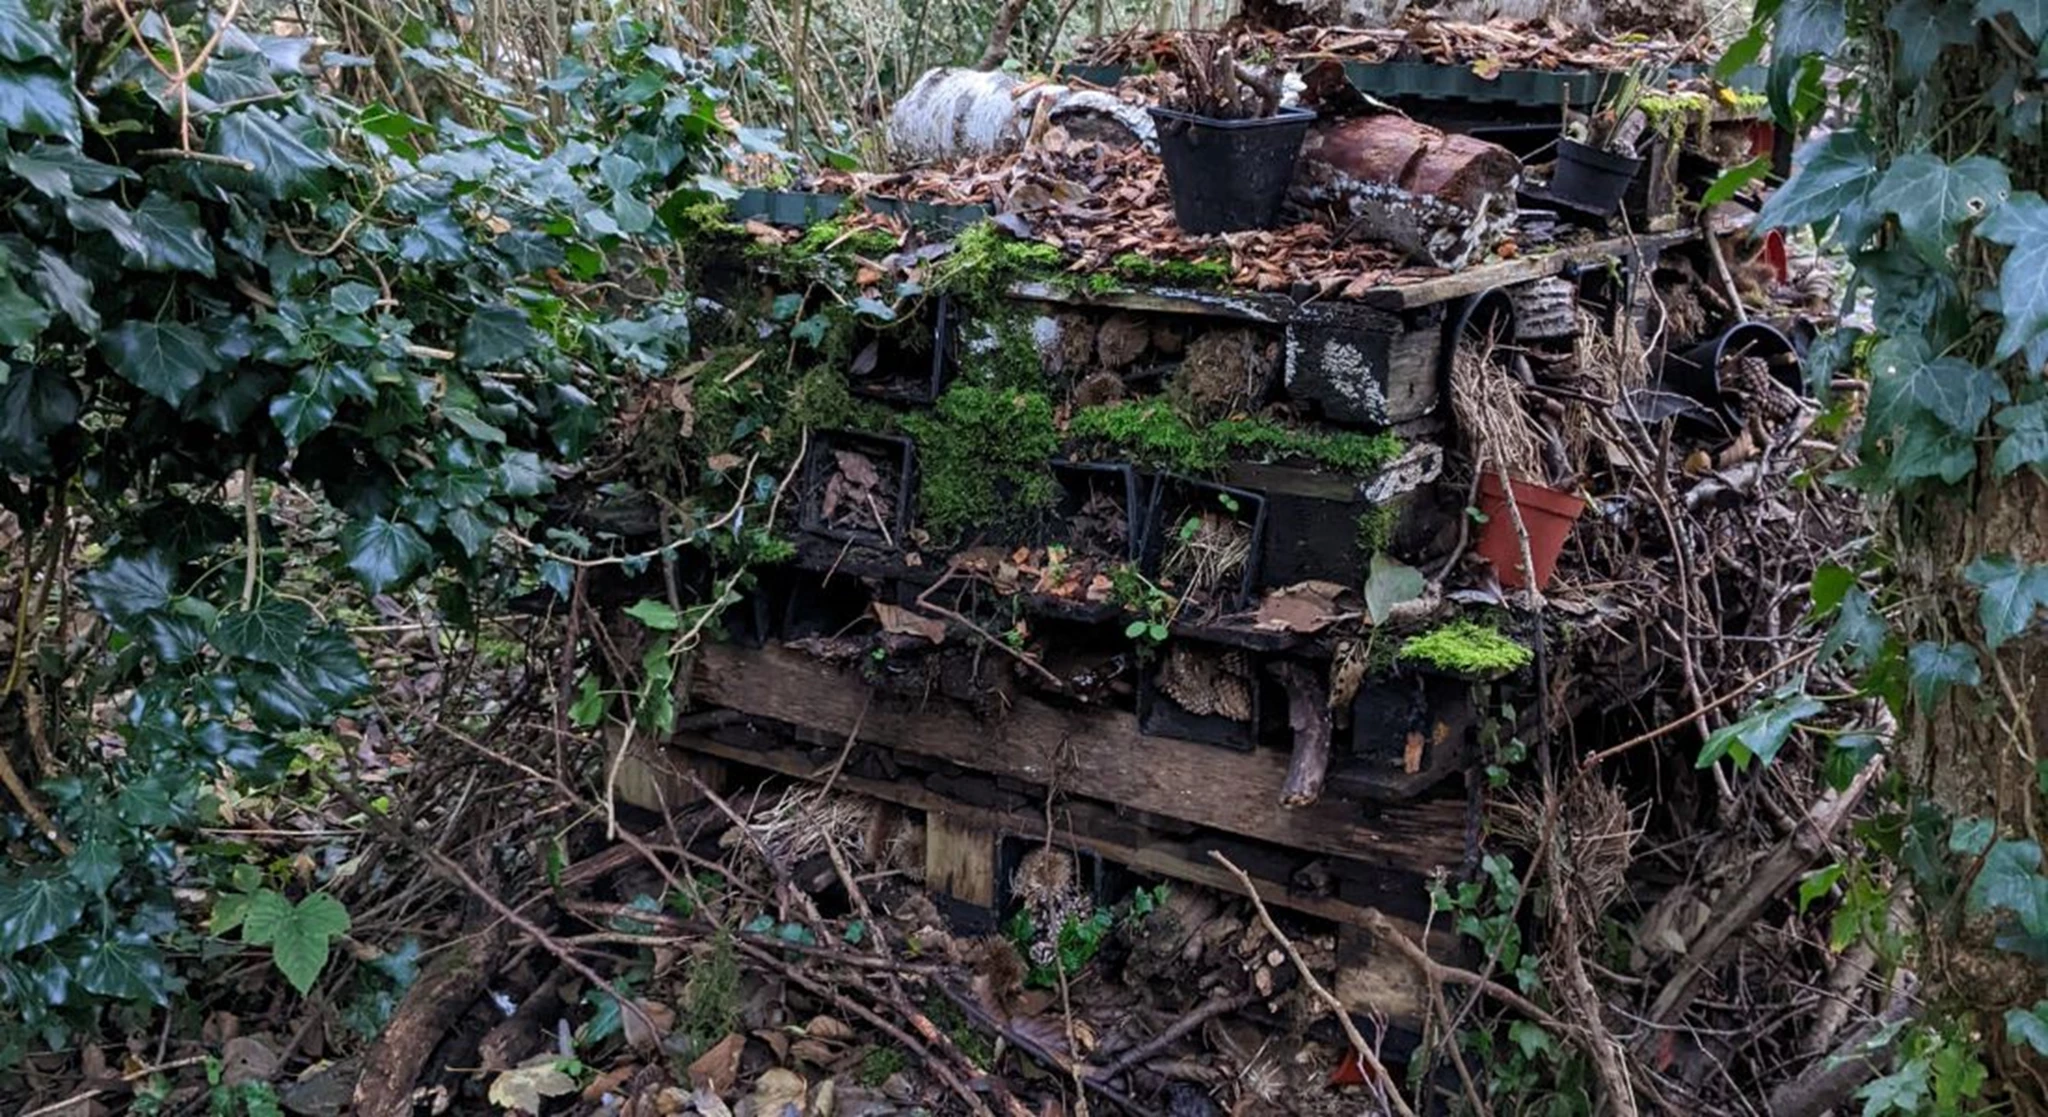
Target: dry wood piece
960	114
1445	200
1308	715
426	1014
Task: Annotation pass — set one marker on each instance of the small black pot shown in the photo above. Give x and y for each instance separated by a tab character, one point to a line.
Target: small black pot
896	452
1590	179
904	372
1696	372
1227	175
1171	493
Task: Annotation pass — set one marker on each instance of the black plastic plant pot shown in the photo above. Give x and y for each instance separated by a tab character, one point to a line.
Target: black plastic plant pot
1082	482
1589	179
892	364
1227	175
1161	715
1696	372
888	455
1175	497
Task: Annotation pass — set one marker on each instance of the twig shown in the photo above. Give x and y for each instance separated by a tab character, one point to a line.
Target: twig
1383	1082
131	1076
1436	973
1203	1013
253	561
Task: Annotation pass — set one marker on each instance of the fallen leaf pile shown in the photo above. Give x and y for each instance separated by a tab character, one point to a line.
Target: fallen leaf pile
1097	202
1496	44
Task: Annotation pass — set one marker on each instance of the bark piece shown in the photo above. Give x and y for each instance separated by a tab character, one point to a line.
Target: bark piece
1308	715
958	114
1443	199
426	1015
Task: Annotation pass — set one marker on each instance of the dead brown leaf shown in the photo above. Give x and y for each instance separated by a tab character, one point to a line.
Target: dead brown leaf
827	1028
899	621
648	1027
780	1093
1305	607
718	1068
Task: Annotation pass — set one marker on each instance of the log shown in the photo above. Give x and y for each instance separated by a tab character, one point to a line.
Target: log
1308	714
1445	200
961	114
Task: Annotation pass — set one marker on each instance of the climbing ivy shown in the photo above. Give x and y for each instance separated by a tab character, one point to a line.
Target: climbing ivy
219	285
1932	193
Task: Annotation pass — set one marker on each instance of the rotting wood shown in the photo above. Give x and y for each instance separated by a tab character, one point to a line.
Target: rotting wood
1444	199
1308	715
959	858
1408	295
1227	790
424	1016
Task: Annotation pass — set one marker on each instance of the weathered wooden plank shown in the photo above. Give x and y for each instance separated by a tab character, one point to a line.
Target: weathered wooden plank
1082	826
655	779
1242	306
1231	791
1410	295
959	857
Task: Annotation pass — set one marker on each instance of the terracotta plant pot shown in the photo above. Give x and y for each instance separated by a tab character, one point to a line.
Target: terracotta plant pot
1548	516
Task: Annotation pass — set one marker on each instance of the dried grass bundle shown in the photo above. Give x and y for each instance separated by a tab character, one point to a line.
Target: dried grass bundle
1488	404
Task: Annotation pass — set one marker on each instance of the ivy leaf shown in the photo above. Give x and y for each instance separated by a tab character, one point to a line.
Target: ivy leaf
1932	198
96	863
36	403
1760	735
1925	29
1835	172
1390	583
270	633
1808	32
60	171
126	966
383	553
1906	377
495	335
167	360
2021	224
2010	881
23	37
2029	1026
1934	668
129	585
171	235
38	102
352	297
282	163
298	935
522	474
326	675
2012	592
2026	440
36	909
68	291
2031	15
655	615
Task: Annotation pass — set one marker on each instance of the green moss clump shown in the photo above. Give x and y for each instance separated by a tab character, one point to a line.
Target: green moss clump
998	351
1343	450
1152	433
982	456
1171	273
1376	530
878	1064
1463	647
985	260
836	239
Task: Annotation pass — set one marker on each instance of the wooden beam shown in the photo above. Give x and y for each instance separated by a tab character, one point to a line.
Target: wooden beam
1445	288
1369	979
658	780
1051	746
959	858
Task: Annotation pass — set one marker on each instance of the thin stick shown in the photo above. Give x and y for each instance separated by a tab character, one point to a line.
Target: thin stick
1207	1011
1383	1081
131	1076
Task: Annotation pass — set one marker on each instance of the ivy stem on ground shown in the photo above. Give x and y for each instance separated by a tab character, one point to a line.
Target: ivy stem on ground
254	560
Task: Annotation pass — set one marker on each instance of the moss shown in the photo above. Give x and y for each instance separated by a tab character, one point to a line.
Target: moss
878	1065
1463	647
950	1020
998	351
985	260
982	456
1171	273
1152	433
834	238
820	400
1376	530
